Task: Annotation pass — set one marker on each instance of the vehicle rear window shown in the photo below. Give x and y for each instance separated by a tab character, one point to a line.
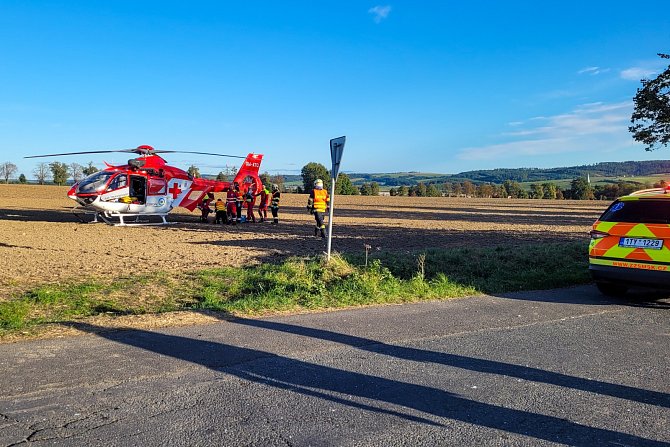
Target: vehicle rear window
643	211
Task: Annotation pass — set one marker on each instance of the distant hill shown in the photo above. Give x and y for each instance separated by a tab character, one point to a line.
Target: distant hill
605	169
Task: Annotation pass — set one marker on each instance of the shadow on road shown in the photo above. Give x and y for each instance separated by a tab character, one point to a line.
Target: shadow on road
469	363
368	392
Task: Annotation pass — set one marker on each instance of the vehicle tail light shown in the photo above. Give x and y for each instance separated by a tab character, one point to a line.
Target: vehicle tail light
595	234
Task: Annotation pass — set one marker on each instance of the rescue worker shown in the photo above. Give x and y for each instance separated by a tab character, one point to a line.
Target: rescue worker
317	204
263	206
204	207
221	215
250	201
274	206
239	200
231	204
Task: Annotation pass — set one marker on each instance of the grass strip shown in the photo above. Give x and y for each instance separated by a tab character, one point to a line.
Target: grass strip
307	284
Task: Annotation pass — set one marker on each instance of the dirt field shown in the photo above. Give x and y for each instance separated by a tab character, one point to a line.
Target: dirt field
42	241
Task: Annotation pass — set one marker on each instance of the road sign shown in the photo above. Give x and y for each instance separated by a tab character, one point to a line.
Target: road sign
336	149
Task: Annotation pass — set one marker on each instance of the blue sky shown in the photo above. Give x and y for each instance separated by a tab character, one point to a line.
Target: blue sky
436	86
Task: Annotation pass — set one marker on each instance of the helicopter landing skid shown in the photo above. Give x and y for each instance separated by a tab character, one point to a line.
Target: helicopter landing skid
110	219
79	212
119	219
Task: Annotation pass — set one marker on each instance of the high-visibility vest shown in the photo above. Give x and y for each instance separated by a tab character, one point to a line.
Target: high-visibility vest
321	199
275	199
219	205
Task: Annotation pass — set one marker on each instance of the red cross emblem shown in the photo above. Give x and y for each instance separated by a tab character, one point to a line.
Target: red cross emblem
174	190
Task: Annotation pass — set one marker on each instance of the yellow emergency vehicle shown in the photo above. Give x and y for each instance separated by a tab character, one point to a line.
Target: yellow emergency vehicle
630	243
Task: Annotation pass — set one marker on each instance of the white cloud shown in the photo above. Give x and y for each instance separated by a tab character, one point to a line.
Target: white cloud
593	71
379	12
595	127
637	73
644	70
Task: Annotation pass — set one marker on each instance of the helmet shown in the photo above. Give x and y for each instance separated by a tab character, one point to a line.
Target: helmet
318	183
275	187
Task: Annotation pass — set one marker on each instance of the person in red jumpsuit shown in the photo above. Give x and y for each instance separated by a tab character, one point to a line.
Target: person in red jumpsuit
250	202
263	206
231	204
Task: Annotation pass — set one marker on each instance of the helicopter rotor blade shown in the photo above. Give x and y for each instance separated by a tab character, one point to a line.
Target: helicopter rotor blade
198	153
138	150
81	153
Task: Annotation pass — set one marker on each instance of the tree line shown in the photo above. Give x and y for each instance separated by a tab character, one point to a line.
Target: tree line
56	172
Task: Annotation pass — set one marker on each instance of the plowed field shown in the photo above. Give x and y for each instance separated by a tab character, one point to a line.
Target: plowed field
42	241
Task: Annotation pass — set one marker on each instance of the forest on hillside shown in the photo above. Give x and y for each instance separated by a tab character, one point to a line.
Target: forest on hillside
500	175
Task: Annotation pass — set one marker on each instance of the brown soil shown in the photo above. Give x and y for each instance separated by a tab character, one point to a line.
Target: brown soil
42	241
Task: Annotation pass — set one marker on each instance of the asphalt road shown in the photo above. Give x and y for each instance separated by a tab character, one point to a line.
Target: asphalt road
539	368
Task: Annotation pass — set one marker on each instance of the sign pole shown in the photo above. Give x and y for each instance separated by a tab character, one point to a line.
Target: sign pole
336	149
330	218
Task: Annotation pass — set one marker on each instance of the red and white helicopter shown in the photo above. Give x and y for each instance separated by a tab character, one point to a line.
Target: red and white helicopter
147	186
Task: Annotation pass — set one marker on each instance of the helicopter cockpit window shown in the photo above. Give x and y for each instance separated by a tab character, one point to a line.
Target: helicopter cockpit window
94	182
118	182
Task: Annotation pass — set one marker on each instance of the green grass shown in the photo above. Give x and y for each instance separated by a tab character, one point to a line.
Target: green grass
306	284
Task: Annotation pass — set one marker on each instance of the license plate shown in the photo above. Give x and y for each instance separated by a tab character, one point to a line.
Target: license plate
631	242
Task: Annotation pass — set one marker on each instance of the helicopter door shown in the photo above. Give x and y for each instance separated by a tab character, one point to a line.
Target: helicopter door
138	188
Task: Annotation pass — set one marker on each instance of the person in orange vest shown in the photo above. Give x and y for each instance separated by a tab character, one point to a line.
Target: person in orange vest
250	201
220	209
317	204
231	204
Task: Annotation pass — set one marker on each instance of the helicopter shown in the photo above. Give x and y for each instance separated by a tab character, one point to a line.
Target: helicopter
148	187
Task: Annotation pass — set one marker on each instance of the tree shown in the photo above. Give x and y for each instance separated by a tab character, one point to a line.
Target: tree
468	188
279	181
485	190
513	189
403	191
89	169
77	171
265	178
41	173
549	191
447	188
344	186
193	171
7	169
22	179
312	171
537	191
581	189
651	114
432	191
60	172
227	173
393	192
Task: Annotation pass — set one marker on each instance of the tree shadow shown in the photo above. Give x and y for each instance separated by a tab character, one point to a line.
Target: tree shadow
319	381
469	363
